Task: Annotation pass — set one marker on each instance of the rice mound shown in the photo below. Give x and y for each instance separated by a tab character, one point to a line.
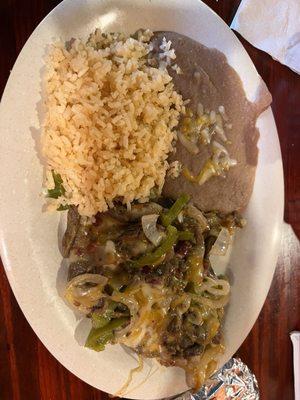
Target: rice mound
110	120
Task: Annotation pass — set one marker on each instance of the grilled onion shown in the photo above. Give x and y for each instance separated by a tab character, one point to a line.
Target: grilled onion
84	291
222	243
150	229
197	215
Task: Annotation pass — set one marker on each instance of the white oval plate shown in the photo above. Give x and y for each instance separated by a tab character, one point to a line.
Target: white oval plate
29	238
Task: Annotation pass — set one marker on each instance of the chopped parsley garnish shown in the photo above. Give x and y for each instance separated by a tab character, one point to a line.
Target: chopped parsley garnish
58	190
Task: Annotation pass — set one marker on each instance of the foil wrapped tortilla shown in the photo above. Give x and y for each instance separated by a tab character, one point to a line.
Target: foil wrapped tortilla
234	381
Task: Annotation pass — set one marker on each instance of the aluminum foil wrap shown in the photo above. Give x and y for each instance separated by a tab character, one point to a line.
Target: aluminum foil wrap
233	381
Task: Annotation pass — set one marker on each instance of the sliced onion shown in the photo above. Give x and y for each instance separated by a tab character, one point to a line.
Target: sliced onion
190	146
215	303
110	247
222	243
84	291
133	307
216	287
150	229
212	303
196	214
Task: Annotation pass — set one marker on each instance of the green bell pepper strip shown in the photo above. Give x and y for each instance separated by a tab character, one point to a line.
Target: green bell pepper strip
186	235
172	214
99	337
101	319
164	248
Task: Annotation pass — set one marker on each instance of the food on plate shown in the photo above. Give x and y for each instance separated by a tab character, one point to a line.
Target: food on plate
217	146
110	122
151	146
144	278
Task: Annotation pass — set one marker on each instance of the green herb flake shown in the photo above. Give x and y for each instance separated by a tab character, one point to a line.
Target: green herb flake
58	189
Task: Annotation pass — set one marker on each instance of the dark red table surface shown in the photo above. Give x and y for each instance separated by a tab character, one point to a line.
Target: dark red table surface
29	372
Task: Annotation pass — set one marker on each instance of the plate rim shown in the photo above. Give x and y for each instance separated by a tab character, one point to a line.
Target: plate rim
3	249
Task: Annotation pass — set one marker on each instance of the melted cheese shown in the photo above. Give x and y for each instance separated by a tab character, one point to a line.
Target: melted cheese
153	306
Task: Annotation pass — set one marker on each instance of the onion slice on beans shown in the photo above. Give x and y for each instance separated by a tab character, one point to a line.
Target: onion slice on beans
197	215
190	146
